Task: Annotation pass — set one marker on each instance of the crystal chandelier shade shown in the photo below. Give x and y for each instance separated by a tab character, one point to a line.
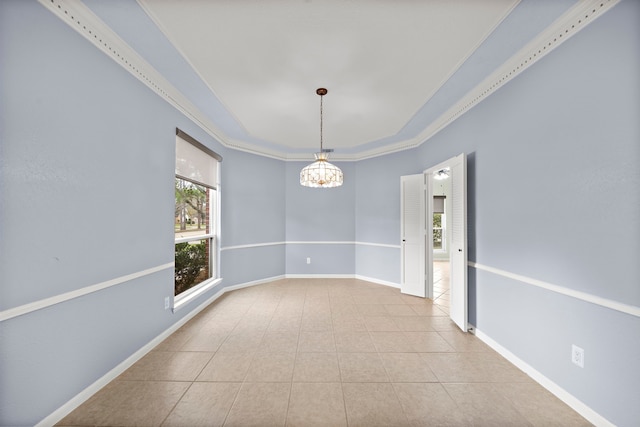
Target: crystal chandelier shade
321	173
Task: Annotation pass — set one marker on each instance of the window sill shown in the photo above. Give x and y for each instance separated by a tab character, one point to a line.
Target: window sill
184	299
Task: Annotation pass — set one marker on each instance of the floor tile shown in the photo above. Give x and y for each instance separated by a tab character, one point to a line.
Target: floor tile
324	352
354	342
204	404
316	404
380	323
129	403
413	323
484	405
391	342
425	342
458	367
539	406
315	342
279	342
362	367
260	405
205	340
175	341
407	367
373	404
427	310
242	343
429	404
316	367
349	323
271	367
167	366
227	367
399	310
372	310
461	341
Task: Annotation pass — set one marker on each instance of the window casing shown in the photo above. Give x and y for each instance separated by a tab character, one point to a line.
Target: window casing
196	224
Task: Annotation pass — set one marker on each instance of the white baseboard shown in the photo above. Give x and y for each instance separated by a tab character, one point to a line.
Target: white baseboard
343	276
253	283
320	276
377	281
577	405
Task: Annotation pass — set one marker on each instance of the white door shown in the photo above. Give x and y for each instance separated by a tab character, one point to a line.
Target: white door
412	225
458	286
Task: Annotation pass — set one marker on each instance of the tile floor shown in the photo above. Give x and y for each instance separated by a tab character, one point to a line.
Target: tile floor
322	352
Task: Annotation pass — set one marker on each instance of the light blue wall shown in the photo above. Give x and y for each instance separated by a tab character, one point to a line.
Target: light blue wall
253	212
320	215
75	127
87	166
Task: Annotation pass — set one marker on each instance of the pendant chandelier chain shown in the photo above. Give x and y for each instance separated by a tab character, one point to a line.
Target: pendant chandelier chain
321	96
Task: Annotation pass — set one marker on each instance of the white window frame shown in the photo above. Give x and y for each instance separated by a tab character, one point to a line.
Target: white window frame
182	299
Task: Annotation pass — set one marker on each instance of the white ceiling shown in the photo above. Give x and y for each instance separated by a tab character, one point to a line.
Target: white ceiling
380	60
249	69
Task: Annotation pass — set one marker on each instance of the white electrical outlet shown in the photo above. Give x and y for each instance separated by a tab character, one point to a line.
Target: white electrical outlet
308	260
577	355
167	302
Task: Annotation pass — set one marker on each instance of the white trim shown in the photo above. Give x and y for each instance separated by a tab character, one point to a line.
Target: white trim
254	283
252	245
377	281
311	242
194	238
581	408
189	295
381	245
320	242
57	299
594	299
320	276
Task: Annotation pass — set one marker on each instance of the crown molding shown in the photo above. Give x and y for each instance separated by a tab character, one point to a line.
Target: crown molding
85	22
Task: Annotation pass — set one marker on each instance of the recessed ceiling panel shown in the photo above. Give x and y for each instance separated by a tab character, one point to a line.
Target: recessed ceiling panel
380	60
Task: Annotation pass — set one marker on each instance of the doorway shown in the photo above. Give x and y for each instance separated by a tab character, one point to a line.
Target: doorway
452	287
417	229
441	223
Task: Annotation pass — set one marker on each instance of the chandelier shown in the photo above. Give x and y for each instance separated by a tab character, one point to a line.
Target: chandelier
321	173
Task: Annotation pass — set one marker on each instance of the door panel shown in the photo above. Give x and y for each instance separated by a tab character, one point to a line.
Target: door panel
458	287
413	235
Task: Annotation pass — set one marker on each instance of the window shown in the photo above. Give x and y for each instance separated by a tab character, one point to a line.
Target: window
438	232
439	221
196	216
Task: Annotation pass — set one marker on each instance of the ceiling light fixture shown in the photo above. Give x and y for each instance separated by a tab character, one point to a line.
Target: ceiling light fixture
441	174
321	173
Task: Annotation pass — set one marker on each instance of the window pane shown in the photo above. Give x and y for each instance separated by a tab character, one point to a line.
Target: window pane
437	231
192	209
192	264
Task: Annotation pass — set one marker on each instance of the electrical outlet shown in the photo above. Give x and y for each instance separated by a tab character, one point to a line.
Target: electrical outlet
577	355
167	303
308	260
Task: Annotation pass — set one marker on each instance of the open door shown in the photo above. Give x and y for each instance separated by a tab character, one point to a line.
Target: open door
458	305
458	308
413	236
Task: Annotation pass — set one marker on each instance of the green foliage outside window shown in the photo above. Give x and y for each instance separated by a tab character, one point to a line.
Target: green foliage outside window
437	231
191	265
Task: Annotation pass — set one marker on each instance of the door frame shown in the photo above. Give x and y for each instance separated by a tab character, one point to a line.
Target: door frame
429	225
